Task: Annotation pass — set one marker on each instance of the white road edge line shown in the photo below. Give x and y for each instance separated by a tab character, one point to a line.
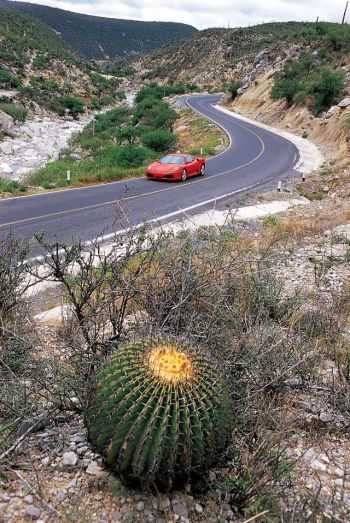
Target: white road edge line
310	156
106	237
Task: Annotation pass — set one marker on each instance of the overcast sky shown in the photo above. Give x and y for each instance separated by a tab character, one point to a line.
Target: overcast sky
208	13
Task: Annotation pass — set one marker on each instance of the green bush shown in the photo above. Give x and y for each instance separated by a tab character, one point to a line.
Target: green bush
233	88
159	412
8	80
127	156
327	88
154	114
18	112
90	143
159	140
12	187
286	88
306	81
111	120
127	134
75	105
150	91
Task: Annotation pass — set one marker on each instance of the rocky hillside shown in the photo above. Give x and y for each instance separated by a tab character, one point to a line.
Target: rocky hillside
213	56
39	72
104	38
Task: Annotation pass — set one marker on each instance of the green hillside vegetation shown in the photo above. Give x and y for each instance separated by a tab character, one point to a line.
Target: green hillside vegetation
313	80
44	70
118	144
99	38
20	34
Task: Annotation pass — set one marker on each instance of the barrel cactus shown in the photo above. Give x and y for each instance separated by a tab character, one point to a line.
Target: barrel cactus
158	412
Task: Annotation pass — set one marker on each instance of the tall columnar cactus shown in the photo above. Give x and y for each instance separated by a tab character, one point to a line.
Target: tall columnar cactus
159	411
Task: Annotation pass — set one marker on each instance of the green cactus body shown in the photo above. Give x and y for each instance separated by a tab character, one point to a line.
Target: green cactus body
158	412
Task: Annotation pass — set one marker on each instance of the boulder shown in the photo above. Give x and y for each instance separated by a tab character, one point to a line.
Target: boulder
6	147
259	57
6	124
344	103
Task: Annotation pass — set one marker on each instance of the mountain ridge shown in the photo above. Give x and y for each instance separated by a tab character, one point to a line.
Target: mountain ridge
100	38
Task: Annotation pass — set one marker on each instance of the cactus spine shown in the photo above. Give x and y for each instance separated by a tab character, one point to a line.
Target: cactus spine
158	411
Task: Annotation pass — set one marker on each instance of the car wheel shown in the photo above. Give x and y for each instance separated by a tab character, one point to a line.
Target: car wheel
202	171
184	175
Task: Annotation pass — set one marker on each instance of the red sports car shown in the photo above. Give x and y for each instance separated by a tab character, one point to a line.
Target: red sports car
176	167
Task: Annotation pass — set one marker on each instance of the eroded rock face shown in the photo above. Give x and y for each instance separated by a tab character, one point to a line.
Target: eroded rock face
6	124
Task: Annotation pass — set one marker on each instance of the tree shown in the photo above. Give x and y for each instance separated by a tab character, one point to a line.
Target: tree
159	140
160	116
127	134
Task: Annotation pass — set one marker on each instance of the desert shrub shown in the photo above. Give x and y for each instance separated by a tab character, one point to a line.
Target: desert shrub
17	338
8	80
306	81
75	105
159	140
18	112
173	89
327	88
233	88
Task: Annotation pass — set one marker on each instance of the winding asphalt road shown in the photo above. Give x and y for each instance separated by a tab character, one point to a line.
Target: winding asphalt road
255	158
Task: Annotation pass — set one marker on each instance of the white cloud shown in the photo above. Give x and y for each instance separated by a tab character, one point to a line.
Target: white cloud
206	13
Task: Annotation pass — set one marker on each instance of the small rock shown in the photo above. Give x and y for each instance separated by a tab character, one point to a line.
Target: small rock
325	188
212	476
180	510
325	417
61	495
198	508
318	465
45	461
29	499
3	507
23	427
82	450
94	469
165	503
6	148
78	439
117	516
140	506
69	458
344	103
32	512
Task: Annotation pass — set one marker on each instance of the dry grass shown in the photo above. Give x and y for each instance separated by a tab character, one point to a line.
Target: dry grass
196	131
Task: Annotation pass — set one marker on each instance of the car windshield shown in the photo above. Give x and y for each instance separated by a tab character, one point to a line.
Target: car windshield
172	159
